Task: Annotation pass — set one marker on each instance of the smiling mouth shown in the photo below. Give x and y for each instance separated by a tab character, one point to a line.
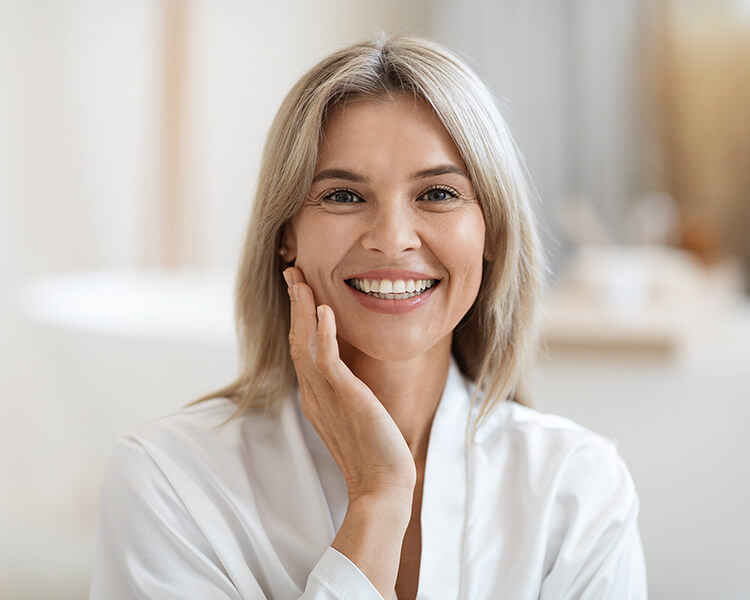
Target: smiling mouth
386	289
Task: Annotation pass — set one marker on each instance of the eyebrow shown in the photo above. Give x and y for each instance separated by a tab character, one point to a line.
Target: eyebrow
351	176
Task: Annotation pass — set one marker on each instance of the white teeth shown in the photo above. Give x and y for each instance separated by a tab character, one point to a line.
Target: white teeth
396	289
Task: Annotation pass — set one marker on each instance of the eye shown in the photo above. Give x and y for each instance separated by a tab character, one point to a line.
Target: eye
439	194
342	196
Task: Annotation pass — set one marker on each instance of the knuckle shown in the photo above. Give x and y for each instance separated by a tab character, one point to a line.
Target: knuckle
296	352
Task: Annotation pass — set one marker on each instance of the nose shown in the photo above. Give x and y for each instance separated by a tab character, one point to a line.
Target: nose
392	230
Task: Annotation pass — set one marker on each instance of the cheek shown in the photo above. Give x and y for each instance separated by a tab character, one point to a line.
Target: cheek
464	250
316	255
315	227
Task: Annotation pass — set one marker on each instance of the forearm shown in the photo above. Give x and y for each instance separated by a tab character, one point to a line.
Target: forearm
371	536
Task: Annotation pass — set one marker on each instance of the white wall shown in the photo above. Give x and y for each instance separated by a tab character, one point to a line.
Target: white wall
245	58
76	100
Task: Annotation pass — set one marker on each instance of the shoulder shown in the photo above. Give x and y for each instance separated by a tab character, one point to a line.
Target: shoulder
209	427
572	476
574	492
195	449
179	426
167	515
144	461
188	424
182	475
553	445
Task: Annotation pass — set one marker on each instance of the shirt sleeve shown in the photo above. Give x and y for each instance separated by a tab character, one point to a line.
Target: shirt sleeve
149	547
598	551
335	576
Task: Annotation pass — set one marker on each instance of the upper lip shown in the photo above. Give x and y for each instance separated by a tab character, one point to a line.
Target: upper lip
391	274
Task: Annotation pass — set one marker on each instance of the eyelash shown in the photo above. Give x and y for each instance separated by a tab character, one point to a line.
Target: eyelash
444	188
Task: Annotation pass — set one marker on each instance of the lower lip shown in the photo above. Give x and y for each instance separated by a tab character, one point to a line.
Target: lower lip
391	307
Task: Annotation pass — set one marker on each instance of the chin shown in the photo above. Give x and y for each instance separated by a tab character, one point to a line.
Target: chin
390	349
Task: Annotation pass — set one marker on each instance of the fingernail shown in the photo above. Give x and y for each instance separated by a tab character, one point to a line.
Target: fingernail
287	277
295	292
319	310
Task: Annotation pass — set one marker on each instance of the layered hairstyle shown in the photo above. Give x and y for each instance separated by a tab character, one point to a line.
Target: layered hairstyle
494	343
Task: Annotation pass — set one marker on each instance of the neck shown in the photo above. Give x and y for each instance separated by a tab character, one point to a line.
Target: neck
410	389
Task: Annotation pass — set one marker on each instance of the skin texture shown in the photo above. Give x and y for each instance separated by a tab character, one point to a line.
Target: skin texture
370	382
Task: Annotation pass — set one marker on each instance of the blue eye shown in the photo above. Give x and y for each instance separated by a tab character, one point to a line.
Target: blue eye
435	195
343	197
439	194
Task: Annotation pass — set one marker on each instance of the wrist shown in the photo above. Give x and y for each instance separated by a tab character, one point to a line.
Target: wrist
392	506
372	534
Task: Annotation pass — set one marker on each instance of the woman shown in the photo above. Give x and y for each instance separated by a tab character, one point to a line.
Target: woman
375	442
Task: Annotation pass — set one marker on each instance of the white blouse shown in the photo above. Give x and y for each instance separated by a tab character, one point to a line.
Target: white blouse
536	508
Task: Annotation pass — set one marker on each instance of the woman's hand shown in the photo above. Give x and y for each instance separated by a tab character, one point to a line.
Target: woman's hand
357	429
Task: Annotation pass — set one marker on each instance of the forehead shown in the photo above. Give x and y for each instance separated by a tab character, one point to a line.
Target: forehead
401	127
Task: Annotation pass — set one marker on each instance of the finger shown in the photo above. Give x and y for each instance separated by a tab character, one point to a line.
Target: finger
305	327
288	277
309	381
307	318
328	350
313	387
296	275
305	323
292	303
297	344
327	359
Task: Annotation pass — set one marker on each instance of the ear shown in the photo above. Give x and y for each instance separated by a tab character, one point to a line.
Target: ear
288	246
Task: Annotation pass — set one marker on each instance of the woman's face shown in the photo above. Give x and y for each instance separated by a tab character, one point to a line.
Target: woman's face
391	204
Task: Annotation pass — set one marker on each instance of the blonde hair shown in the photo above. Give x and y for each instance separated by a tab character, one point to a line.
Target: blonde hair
493	344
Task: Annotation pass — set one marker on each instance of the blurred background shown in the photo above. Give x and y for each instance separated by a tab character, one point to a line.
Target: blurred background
130	140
